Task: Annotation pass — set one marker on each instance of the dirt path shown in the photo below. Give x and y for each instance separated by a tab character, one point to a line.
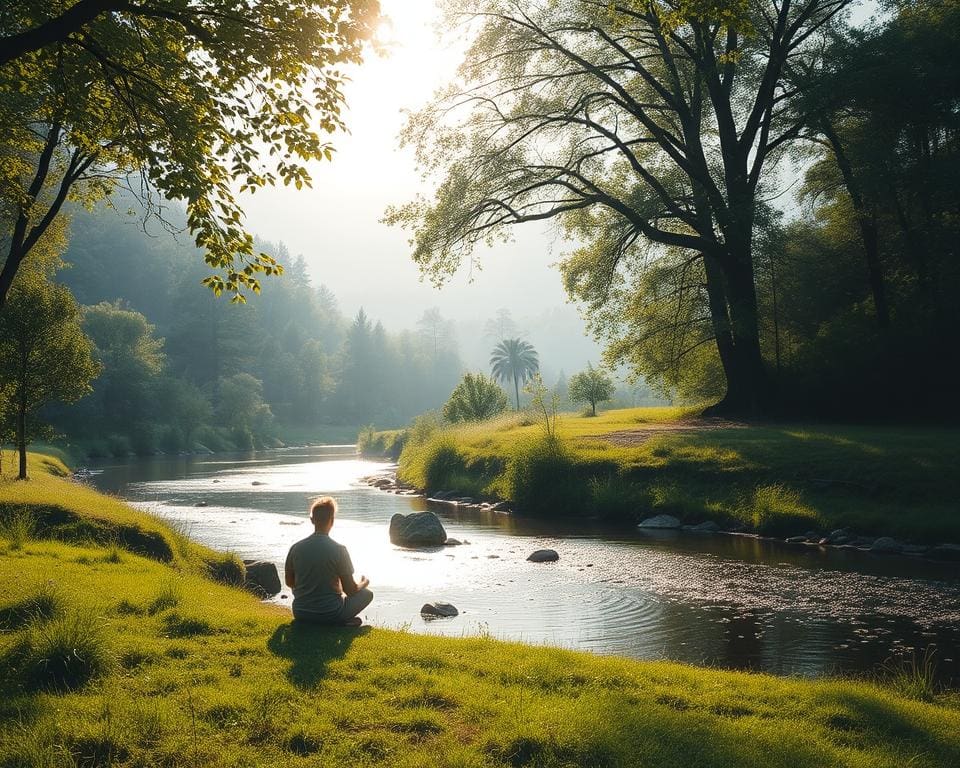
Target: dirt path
641	434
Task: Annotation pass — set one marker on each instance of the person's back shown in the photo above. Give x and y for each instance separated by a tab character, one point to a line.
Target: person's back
320	573
319	564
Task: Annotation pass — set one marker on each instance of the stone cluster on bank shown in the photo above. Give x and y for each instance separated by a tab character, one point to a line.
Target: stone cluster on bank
839	539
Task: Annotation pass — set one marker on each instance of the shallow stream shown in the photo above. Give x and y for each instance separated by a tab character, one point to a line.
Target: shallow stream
722	600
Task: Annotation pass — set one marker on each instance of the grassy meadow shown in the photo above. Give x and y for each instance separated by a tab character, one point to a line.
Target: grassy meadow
110	657
780	479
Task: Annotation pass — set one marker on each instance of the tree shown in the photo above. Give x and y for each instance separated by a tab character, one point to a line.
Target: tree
131	358
436	333
196	99
242	408
514	360
644	128
591	386
475	398
44	354
501	326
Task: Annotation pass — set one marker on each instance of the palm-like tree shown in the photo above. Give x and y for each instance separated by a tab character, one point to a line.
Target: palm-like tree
514	360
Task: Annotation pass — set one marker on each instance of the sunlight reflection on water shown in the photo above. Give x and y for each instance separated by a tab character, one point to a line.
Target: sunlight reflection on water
730	601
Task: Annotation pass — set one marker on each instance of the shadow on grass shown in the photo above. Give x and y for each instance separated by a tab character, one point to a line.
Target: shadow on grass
310	648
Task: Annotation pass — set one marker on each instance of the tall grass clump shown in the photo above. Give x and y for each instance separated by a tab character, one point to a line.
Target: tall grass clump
541	478
914	677
65	653
18	527
386	444
43	605
779	511
170	596
227	568
615	499
433	464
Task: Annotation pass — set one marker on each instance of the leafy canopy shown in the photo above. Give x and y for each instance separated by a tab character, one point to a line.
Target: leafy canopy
195	100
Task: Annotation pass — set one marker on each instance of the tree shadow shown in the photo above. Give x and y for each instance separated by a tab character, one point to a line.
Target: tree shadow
310	648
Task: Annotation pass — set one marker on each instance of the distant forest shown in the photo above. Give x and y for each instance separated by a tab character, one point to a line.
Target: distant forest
182	367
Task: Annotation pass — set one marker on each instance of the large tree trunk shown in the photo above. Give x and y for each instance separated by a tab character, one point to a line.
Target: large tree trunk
748	390
719	318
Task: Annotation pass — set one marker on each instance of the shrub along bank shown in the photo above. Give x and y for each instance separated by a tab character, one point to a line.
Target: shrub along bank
111	658
778	479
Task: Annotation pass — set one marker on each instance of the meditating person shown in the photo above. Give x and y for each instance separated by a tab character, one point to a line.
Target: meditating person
320	573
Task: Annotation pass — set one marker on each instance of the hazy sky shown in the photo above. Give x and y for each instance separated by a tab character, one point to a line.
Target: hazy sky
336	224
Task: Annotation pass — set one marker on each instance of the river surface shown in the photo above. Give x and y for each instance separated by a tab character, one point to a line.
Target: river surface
728	601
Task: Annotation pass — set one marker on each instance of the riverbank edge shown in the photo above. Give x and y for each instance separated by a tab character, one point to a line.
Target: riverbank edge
388	482
215	652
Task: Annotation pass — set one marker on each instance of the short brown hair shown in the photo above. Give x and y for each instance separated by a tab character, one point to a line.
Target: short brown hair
322	510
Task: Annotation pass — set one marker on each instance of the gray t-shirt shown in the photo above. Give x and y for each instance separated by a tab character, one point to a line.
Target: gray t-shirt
318	564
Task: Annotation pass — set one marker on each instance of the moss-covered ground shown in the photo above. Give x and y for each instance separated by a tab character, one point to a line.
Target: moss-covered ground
113	658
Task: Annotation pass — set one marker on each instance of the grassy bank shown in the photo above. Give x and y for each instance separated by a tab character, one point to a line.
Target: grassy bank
778	479
111	658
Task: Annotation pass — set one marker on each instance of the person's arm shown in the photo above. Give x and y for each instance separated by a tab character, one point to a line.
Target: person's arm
351	587
289	576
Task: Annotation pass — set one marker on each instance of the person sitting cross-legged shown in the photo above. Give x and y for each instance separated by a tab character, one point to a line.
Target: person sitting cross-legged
320	573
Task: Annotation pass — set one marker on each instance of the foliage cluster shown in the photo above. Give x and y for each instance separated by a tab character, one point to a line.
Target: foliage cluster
188	99
475	398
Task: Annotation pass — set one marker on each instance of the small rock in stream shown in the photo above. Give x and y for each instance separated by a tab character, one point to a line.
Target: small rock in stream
438	610
543	556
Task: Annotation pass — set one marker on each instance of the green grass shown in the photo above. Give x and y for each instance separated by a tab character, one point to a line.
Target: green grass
51	505
776	478
173	669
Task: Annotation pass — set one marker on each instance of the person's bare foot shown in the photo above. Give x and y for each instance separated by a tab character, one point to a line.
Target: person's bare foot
356	621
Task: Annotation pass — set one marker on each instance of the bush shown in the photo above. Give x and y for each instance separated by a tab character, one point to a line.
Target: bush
387	444
18	527
432	465
171	440
169	596
215	438
541	479
144	439
779	511
242	438
44	605
227	568
614	498
65	653
119	446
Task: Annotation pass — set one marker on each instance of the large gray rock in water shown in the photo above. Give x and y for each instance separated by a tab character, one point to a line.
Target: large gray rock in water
660	521
262	577
438	610
419	529
544	556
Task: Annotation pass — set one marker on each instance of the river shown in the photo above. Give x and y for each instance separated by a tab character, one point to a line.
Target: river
728	601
